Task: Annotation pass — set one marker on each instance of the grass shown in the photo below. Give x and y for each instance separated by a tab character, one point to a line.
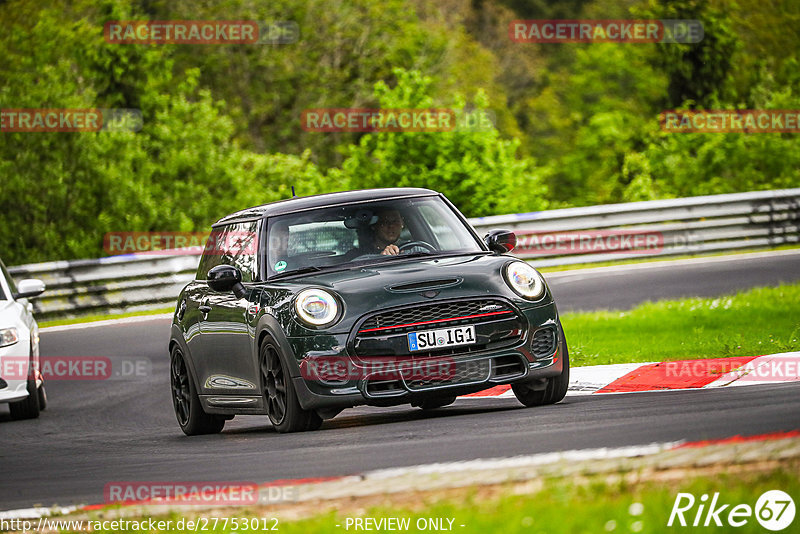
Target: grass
755	322
590	504
103	317
649	259
565	507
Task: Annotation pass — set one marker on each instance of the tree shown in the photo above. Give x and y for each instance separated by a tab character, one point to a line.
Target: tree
61	192
478	170
702	73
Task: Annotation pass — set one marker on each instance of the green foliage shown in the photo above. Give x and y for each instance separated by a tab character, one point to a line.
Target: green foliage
596	110
690	164
701	73
479	171
345	46
61	192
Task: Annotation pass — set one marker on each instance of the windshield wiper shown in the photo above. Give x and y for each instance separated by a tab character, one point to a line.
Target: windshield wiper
407	256
415	254
302	270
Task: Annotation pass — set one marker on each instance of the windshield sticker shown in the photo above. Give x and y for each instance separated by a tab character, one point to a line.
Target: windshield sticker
281	265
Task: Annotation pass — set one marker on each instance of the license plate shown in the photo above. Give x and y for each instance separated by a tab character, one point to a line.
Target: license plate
437	339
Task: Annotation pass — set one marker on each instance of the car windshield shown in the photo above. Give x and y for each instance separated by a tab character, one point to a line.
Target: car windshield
365	233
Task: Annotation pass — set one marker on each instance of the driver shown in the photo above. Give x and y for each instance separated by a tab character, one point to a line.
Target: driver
386	231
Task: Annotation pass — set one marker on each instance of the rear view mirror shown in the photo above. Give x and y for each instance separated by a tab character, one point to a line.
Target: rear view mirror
500	241
30	287
361	219
224	278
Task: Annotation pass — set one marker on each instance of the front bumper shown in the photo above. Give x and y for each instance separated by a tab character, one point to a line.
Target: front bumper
14	363
526	358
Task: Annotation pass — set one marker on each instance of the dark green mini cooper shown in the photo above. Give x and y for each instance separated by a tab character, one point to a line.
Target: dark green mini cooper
307	306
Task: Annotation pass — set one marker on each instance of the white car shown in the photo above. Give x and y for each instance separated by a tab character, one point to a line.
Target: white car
21	383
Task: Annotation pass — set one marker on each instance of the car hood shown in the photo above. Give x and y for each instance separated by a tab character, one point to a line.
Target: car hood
9	314
402	272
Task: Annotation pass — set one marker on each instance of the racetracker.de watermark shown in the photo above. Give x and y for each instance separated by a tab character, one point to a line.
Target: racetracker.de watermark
378	368
731	120
590	242
781	368
396	120
180	243
606	31
70	120
181	492
200	32
75	368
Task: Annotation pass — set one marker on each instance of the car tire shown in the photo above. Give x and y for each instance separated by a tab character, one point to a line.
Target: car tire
27	408
192	419
438	402
556	388
280	397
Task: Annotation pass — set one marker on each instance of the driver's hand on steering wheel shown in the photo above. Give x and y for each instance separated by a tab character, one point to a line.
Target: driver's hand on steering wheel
390	250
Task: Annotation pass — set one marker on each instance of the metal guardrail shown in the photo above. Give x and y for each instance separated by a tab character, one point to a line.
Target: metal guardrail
691	225
118	284
547	238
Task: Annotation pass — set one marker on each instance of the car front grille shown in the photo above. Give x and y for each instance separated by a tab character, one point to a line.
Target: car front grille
385	333
461	373
445	372
434	315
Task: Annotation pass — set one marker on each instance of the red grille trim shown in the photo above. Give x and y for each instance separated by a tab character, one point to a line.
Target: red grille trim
435	321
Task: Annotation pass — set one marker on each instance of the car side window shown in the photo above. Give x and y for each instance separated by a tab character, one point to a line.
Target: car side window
211	256
234	245
9	280
240	251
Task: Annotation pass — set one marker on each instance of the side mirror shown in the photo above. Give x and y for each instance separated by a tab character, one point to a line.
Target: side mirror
224	278
500	241
30	287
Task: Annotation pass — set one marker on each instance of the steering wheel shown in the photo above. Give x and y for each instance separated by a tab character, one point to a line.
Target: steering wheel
414	244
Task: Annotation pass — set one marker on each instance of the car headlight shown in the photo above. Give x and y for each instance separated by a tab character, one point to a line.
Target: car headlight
525	280
316	307
8	336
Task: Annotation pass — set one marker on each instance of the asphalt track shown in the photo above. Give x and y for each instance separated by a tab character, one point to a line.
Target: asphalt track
96	432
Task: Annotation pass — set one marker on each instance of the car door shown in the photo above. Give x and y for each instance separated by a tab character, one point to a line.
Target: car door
190	315
224	362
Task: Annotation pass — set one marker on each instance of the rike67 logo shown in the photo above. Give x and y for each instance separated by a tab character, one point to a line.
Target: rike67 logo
774	510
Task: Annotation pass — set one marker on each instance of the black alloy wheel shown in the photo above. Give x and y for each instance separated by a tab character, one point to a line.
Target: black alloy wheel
192	419
283	407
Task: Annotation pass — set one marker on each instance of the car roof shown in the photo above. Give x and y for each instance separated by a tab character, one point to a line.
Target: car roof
291	205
